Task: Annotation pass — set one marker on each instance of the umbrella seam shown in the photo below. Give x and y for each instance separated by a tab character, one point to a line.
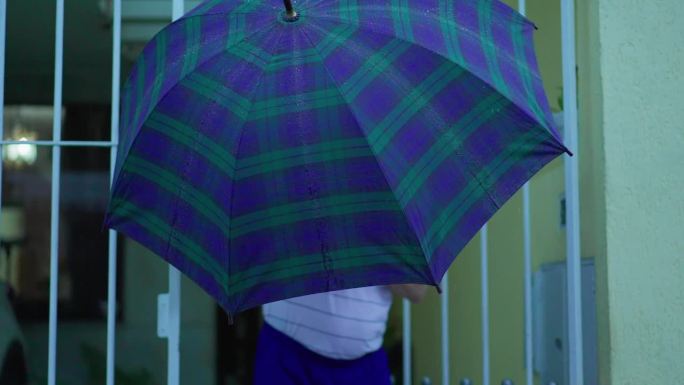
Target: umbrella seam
237	159
189	160
136	127
267	27
382	172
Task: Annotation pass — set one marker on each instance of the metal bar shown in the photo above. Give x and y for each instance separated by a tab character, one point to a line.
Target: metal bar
62	143
575	352
484	279
54	209
406	340
3	24
527	268
174	327
177	9
111	252
527	262
444	302
174	282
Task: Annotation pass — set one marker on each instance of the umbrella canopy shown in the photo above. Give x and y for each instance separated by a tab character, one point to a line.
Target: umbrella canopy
270	153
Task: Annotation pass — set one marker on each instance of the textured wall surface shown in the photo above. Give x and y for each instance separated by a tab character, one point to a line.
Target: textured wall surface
642	78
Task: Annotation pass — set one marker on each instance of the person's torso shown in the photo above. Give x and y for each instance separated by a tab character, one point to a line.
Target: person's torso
344	324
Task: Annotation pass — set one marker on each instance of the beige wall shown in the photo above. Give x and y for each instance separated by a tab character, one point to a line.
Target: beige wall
639	78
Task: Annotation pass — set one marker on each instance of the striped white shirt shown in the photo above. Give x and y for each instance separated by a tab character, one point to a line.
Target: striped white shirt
344	324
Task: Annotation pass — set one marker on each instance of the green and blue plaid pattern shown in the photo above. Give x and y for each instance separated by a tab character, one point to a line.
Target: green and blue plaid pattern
363	144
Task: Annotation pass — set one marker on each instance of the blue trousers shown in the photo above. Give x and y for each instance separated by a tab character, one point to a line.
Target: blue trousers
280	360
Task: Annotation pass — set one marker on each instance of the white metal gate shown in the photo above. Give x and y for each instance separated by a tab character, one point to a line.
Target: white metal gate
169	325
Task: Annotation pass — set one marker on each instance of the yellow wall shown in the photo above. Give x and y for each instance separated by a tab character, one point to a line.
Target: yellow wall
633	61
592	167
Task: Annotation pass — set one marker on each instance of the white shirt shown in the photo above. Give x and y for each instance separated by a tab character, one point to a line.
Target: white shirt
344	324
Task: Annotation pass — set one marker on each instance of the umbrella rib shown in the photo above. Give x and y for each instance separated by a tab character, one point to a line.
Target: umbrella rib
237	160
136	128
382	171
267	27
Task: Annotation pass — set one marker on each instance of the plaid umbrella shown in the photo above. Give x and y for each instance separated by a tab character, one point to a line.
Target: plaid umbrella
269	153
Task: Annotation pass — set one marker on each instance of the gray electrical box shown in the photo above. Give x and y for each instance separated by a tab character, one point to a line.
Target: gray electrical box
550	323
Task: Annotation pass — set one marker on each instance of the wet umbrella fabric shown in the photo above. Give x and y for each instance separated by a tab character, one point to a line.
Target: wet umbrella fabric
269	155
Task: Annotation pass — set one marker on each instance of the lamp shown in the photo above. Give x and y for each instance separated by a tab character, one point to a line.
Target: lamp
19	155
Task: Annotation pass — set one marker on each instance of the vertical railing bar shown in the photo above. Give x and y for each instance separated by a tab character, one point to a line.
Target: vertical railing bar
173	369
527	262
527	268
177	9
3	24
484	279
574	295
174	281
54	209
114	137
444	302
406	341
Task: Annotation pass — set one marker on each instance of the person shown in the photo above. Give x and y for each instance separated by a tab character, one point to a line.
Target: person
332	338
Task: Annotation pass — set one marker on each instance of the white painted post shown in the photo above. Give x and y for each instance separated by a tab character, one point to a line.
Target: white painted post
54	209
173	327
114	137
484	278
575	353
56	143
444	302
406	340
3	24
527	268
527	262
177	9
174	284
